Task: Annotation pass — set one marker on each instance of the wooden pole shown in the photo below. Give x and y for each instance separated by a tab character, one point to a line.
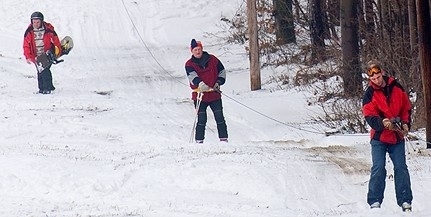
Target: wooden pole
424	32
253	45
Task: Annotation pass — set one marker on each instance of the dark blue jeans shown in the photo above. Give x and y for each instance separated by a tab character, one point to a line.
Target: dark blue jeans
376	186
217	108
44	80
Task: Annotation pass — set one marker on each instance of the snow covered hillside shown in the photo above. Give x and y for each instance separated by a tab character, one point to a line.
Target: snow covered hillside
113	138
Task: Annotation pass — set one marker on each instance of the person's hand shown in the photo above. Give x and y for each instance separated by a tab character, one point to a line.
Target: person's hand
216	86
30	61
388	124
203	87
405	130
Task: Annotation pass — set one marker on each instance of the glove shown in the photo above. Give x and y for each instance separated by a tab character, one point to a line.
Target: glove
405	130
57	51
203	87
216	86
388	124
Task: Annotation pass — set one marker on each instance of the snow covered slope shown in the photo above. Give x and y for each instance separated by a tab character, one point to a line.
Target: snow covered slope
113	138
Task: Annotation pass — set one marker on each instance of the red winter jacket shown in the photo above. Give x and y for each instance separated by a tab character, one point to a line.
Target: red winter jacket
208	69
388	102
50	39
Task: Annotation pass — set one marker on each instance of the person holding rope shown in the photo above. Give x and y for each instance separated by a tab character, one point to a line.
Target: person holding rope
206	74
387	109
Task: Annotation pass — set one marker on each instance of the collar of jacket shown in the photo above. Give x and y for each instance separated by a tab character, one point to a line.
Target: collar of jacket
389	81
202	62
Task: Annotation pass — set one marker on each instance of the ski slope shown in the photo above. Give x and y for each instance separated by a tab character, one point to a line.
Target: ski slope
113	138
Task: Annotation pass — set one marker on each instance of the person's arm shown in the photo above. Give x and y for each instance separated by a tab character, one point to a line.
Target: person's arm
29	57
221	77
192	75
370	111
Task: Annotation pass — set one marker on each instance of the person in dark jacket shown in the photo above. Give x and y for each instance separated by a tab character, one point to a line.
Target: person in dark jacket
387	109
39	38
206	74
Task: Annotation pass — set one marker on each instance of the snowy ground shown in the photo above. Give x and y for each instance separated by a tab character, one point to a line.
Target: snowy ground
113	138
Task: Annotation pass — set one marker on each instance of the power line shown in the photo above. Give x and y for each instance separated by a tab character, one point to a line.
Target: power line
146	46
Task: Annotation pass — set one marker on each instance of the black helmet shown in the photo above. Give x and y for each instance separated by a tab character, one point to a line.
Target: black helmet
36	15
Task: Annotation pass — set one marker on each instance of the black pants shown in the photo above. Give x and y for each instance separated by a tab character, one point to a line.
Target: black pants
44	80
217	108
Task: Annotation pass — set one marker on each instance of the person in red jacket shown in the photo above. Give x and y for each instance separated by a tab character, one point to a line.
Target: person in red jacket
206	73
40	37
387	109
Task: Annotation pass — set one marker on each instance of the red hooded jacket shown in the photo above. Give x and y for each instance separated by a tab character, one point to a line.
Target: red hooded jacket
50	39
389	102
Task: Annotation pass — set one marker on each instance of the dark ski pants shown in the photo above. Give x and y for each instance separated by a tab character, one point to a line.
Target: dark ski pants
217	108
44	80
376	186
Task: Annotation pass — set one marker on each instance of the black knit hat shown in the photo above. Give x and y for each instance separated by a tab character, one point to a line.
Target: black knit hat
195	43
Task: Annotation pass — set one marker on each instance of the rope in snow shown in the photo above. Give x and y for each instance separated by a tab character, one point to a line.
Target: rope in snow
419	138
291	125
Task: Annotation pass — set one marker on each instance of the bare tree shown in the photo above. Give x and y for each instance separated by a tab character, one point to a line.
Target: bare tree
367	20
332	8
284	25
317	31
424	30
413	27
350	48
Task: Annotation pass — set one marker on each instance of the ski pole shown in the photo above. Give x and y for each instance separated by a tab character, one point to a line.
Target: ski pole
198	104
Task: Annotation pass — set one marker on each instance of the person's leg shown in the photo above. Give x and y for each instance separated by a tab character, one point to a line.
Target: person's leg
202	120
40	82
217	108
46	80
49	80
403	189
376	186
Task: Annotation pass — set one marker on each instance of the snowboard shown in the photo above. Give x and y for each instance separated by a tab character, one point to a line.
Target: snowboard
46	59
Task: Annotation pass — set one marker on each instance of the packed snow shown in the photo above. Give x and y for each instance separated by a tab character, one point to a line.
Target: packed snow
113	139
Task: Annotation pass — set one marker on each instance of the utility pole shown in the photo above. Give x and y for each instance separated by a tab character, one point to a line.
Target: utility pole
253	45
424	32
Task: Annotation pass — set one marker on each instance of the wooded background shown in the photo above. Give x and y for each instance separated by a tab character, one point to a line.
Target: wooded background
349	33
